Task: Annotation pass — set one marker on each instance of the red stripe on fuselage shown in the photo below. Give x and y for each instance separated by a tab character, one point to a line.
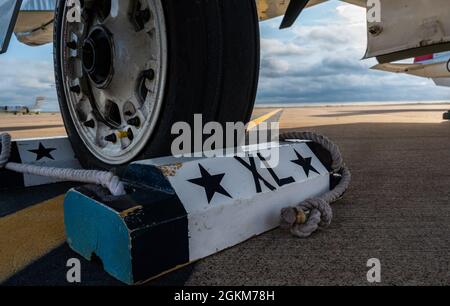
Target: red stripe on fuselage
423	58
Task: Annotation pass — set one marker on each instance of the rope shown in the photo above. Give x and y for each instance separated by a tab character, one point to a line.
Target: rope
302	220
316	213
103	178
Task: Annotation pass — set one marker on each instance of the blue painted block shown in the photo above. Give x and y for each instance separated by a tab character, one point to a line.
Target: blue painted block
137	236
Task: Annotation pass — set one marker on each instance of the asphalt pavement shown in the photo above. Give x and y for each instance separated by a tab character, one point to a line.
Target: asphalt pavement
397	210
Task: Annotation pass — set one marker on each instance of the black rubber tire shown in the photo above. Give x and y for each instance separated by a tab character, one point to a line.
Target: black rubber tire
213	69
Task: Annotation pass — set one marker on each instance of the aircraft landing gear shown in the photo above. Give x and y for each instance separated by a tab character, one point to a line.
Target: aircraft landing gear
131	69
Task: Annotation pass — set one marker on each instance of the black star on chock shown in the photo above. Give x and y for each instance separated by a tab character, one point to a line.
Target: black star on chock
211	183
42	152
305	163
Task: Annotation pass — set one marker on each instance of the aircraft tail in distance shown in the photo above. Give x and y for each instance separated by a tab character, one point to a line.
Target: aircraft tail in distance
37	107
39	103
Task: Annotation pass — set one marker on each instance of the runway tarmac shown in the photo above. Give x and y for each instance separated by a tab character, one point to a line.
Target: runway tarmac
397	210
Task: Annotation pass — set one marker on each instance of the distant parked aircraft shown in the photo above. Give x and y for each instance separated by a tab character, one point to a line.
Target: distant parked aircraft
33	109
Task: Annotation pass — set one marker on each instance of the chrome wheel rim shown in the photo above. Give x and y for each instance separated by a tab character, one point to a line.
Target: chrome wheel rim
114	71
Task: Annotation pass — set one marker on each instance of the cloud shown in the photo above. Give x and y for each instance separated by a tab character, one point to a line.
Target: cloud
23	80
317	60
322	62
274	47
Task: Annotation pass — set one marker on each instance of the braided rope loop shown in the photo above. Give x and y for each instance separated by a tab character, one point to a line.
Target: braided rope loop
103	178
316	213
5	151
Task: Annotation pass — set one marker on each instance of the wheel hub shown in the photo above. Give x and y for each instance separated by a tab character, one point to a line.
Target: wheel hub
97	56
114	65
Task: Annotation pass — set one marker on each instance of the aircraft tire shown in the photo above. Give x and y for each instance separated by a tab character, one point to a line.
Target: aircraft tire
207	62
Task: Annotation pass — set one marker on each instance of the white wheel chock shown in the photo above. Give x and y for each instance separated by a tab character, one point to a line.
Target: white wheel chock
177	211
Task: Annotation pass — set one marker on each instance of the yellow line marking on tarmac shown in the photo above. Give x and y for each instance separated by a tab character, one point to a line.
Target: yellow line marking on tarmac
30	234
254	123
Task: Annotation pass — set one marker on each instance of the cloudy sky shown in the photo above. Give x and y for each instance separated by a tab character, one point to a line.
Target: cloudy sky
317	60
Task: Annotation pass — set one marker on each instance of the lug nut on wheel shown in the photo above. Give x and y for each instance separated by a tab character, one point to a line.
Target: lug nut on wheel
130	134
76	89
72	45
134	121
149	74
89	124
111	138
